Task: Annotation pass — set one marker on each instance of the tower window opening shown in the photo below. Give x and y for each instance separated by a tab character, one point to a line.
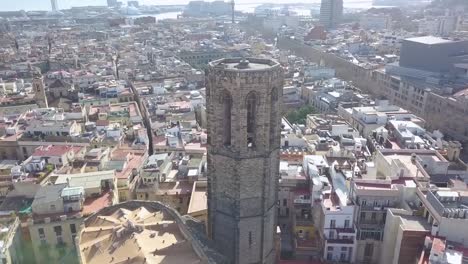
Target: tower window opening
251	104
227	105
273	115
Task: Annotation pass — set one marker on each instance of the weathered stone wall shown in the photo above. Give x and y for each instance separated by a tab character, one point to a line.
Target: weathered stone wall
243	180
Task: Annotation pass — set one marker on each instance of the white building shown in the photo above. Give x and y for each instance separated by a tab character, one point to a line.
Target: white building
375	22
315	72
338	232
438	26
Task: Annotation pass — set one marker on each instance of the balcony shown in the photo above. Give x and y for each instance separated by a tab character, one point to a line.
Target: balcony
302	201
373	208
303	216
372	223
345	230
306	244
304	221
347	241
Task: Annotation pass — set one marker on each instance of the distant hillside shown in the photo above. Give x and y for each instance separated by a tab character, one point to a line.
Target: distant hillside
449	3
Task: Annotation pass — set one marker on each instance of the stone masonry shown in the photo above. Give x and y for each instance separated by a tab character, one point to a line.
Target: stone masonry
243	113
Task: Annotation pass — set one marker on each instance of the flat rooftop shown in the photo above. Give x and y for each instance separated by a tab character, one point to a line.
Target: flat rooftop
429	40
199	199
414	223
174	188
404	158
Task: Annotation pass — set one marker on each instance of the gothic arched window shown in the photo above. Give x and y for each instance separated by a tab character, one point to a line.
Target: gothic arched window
251	105
274	95
273	115
227	105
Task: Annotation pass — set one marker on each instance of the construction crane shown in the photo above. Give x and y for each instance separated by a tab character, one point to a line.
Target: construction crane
233	5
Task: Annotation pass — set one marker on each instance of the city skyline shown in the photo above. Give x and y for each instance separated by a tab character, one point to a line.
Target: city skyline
282	134
34	5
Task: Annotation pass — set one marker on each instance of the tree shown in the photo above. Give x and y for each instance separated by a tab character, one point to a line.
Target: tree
299	116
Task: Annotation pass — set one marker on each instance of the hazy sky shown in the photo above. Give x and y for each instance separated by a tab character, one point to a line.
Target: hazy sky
64	4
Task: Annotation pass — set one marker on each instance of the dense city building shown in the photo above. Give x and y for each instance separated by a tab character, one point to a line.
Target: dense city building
223	132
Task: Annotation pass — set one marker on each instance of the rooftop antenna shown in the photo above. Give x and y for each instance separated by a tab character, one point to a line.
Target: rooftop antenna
233	5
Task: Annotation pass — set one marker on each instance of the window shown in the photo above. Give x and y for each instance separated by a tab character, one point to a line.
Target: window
363	216
273	115
41	232
370	234
343	257
344	248
332	223
329	249
285	202
58	230
52	207
181	200
251	105
73	228
250	239
346	223
374	216
329	256
369	250
227	106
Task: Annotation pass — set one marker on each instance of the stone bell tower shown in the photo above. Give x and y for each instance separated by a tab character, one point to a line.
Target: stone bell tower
39	91
244	117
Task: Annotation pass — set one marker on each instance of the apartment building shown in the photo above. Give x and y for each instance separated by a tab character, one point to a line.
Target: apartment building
379	22
128	163
295	213
404	236
58	156
12	246
58	209
171	179
337	227
368	118
56	221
